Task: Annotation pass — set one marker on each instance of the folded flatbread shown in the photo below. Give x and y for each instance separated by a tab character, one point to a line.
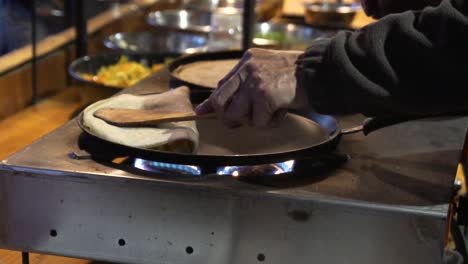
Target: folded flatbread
205	73
176	137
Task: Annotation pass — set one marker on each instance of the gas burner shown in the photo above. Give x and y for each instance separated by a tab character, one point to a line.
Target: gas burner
235	171
162	167
257	170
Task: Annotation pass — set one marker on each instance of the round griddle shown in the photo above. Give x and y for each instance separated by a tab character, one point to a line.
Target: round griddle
297	137
187	59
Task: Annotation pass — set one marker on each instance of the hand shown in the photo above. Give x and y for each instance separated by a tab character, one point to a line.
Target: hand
380	8
257	91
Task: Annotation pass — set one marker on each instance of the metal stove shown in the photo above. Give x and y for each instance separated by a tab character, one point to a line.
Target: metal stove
387	204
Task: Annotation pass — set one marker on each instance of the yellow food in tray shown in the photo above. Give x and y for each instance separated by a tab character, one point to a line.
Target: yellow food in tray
122	74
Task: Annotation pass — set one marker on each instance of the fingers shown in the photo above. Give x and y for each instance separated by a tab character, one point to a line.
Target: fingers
245	58
252	107
256	90
204	108
262	110
254	52
223	95
239	110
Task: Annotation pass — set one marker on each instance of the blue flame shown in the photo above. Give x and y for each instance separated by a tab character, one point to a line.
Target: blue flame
155	165
282	167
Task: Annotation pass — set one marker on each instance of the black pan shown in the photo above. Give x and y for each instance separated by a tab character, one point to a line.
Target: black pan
298	137
176	81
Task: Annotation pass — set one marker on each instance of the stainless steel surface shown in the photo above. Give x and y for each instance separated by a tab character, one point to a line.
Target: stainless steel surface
157	42
387	205
116	218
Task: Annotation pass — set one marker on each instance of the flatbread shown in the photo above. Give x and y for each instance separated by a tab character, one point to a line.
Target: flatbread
205	73
176	136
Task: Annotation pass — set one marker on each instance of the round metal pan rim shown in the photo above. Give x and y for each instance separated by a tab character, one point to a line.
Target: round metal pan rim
224	160
217	55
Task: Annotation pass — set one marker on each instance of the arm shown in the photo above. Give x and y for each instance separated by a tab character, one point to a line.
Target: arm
411	63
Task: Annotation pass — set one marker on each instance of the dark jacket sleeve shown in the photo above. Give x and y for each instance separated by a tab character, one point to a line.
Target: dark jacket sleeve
408	63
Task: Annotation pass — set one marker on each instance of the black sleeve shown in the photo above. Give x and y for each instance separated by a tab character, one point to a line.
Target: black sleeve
408	63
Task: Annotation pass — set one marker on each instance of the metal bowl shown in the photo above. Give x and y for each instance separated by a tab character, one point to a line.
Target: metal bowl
189	20
213	5
330	14
92	63
194	21
157	42
287	36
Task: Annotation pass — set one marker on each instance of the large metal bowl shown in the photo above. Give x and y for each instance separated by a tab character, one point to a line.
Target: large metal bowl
157	42
330	14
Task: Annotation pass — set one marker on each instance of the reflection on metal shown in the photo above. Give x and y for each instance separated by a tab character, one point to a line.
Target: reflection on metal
155	166
264	169
157	42
181	19
213	5
184	18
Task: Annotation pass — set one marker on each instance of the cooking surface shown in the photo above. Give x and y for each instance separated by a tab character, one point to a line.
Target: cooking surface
201	72
411	164
253	141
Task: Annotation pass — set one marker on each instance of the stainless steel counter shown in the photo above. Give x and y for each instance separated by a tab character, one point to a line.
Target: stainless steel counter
388	204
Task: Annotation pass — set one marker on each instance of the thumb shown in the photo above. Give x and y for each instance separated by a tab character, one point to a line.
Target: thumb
204	108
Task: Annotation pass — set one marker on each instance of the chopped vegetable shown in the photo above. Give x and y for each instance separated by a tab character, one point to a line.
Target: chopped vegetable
122	74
